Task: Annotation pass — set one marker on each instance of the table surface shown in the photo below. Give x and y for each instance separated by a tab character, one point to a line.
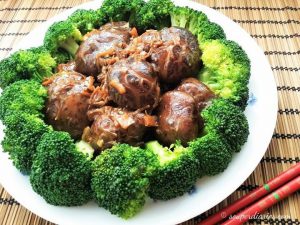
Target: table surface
274	24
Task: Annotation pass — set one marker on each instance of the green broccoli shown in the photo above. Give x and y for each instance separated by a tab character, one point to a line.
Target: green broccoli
86	20
63	36
34	63
176	172
187	18
22	135
85	148
226	70
8	72
135	7
196	20
213	154
180	16
121	10
37	63
228	121
25	95
120	179
60	173
209	31
116	10
154	14
61	56
197	23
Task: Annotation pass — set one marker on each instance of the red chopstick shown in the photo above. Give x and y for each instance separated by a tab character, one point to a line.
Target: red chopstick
254	195
265	203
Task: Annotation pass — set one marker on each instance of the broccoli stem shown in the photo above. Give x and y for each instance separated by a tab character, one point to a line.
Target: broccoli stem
89	26
174	20
164	154
183	22
38	77
85	149
156	148
70	46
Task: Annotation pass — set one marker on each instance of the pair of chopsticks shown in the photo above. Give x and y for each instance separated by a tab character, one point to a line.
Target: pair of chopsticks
265	196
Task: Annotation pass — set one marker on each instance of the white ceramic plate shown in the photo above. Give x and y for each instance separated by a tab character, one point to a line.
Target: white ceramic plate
261	114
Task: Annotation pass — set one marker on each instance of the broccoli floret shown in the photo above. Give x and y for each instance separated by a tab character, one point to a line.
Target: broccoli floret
86	20
8	72
212	152
64	35
60	173
180	16
121	10
228	121
25	95
136	6
226	70
187	18
196	20
209	31
176	172
22	135
85	148
34	63
197	23
116	10
154	14
61	56
120	179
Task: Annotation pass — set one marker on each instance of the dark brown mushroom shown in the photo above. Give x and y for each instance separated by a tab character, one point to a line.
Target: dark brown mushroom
198	90
112	125
68	67
177	118
132	84
101	47
144	44
68	101
178	57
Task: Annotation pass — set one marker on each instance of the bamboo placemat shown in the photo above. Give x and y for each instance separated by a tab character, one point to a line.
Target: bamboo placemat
274	24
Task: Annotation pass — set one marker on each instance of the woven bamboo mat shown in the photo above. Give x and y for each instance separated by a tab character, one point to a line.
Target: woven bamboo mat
274	24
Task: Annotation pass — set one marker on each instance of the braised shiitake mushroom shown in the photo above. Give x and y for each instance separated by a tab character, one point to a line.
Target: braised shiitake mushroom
132	84
67	104
145	43
130	71
112	125
177	118
178	57
101	47
198	90
68	67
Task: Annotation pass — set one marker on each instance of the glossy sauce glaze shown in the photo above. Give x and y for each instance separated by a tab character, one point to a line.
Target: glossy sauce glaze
178	57
177	118
112	125
198	90
68	101
130	84
101	47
